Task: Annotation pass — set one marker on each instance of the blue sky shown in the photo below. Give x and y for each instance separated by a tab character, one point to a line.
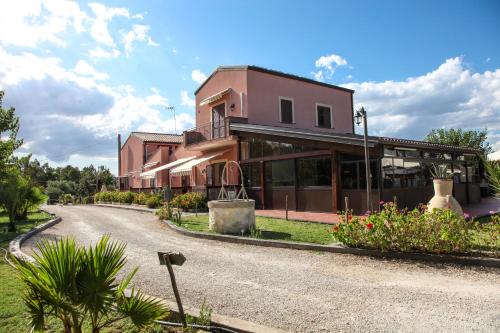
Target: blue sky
79	72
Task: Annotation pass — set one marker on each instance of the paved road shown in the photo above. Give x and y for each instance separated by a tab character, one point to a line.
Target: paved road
297	290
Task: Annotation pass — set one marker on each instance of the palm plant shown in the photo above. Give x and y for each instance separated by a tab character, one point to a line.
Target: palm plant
493	175
440	171
13	188
79	285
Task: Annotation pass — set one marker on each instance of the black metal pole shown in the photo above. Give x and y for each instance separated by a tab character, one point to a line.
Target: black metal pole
176	292
367	163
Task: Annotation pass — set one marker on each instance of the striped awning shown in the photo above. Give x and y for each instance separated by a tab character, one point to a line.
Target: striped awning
216	97
185	169
152	173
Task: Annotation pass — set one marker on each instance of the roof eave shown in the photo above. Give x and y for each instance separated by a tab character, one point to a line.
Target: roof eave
272	72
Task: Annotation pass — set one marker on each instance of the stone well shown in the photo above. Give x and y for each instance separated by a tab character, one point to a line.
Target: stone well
231	216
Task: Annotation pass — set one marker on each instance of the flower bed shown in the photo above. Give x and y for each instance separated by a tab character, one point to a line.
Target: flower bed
152	200
190	200
440	231
187	201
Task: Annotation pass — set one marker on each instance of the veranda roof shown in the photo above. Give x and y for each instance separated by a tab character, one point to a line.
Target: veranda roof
215	97
151	173
185	169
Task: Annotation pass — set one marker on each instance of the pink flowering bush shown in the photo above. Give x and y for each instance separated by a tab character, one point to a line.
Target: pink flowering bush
441	231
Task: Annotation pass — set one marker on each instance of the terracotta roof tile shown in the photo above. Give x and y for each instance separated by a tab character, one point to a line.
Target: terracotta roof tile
158	137
427	144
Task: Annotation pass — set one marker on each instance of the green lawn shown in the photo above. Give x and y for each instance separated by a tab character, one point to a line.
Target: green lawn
485	240
270	228
13	315
12	309
33	220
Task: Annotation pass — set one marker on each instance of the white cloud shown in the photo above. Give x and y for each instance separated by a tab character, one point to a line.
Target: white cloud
71	112
103	15
100	53
151	42
327	65
318	76
449	96
198	76
329	60
30	22
83	68
186	100
139	32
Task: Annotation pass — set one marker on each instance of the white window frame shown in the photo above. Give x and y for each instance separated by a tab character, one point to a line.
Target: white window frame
316	114
280	98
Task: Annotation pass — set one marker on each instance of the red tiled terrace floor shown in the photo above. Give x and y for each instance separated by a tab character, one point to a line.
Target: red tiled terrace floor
301	216
486	206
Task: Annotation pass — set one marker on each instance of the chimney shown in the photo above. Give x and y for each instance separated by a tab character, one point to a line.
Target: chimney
119	155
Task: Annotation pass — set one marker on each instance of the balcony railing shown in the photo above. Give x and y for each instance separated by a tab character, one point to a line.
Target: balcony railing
206	132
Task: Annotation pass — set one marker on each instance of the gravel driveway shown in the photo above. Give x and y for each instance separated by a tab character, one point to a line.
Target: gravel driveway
296	290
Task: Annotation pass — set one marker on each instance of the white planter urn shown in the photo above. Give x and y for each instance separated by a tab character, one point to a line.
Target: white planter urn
443	197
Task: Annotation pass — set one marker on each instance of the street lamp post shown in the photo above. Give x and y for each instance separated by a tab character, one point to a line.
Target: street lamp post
172	108
360	116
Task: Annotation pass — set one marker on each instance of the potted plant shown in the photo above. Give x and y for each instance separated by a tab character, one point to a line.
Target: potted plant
443	188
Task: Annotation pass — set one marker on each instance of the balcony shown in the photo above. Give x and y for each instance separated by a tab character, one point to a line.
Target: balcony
211	134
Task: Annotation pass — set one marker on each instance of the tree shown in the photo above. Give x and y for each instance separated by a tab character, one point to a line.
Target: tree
13	188
79	285
9	126
38	174
31	198
477	139
56	188
69	173
105	177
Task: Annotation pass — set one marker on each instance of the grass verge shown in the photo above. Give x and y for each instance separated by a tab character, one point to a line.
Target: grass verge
271	228
13	312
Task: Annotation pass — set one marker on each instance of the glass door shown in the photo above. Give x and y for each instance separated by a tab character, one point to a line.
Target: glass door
218	115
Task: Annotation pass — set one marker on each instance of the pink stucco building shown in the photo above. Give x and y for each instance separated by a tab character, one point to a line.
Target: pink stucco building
294	139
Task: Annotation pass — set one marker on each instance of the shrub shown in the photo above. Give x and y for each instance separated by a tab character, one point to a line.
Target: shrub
105	196
12	187
126	197
56	188
81	286
190	200
66	199
31	198
140	198
177	217
114	196
154	201
441	231
165	212
87	200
